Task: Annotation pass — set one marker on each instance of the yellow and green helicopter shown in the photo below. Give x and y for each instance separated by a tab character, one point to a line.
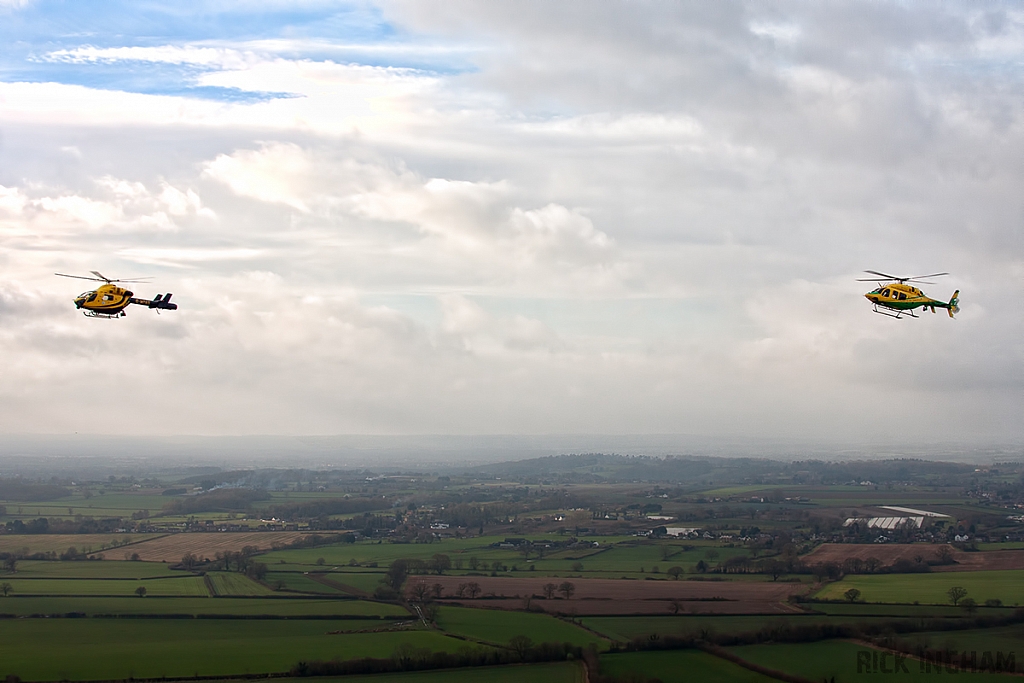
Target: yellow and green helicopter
109	301
895	298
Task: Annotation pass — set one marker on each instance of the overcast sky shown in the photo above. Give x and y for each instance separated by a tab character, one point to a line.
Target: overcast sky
513	217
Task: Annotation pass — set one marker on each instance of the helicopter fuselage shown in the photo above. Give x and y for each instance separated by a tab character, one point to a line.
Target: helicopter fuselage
901	297
109	301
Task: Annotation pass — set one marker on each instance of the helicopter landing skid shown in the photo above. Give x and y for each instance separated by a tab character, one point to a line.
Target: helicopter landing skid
892	313
108	316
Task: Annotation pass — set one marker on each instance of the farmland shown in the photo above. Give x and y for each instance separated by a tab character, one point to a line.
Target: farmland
678	667
575	570
498	627
1007	586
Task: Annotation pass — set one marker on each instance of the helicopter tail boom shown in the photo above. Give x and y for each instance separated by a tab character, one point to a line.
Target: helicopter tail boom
162	302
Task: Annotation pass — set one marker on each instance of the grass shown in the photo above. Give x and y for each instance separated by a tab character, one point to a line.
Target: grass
22	606
184	586
294	581
1006	639
900	611
931	588
834	658
92	649
678	666
499	627
106	569
558	672
628	628
91	543
228	583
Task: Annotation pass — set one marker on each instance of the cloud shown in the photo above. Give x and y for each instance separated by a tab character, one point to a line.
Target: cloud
539	217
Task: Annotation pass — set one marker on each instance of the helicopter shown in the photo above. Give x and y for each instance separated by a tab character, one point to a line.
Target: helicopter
895	298
109	301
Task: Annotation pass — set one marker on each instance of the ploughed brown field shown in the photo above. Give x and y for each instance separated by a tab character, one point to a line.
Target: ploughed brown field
206	545
888	554
613	596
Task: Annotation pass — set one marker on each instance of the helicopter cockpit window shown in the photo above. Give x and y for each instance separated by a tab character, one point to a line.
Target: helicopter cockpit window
92	296
885	292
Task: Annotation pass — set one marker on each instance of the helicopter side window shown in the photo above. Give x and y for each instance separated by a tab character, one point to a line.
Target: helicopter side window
902	295
885	292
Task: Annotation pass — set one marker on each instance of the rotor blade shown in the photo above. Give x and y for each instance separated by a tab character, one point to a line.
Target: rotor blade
918	277
888	277
100	275
78	277
873	279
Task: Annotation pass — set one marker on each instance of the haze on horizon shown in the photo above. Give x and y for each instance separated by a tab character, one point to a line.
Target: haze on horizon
524	218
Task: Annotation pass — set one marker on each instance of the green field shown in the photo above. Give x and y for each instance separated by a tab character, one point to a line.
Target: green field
184	586
558	672
228	583
834	658
88	649
628	628
44	543
107	569
1005	639
678	666
1007	586
295	581
284	607
499	627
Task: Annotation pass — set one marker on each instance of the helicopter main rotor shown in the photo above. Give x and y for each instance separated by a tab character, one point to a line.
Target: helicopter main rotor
102	278
884	277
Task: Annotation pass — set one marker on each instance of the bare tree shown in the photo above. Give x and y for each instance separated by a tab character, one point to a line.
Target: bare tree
473	588
956	594
6	588
460	590
567	588
419	590
438	589
549	590
675	606
520	645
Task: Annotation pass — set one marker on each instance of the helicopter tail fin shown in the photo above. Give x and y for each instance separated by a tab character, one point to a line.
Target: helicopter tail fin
954	303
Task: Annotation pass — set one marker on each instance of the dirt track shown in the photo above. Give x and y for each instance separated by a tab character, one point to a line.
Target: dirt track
611	596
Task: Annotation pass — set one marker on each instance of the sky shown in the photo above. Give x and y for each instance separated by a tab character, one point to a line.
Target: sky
518	218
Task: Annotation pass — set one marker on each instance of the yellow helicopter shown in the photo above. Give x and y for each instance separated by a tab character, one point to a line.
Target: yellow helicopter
109	301
895	298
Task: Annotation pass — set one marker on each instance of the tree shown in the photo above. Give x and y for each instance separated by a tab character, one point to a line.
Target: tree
667	551
440	562
567	588
701	566
460	590
711	554
969	605
675	606
945	554
6	588
420	590
396	574
852	595
474	563
956	594
437	589
11	564
520	645
674	572
576	566
141	591
188	561
549	590
473	588
320	561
